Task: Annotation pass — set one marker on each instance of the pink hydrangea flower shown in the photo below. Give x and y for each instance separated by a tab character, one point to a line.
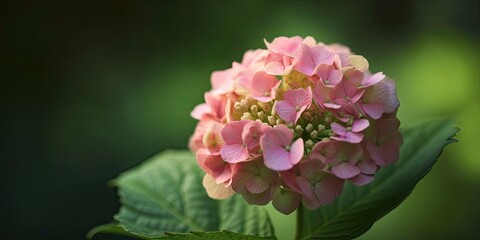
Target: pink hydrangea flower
291	123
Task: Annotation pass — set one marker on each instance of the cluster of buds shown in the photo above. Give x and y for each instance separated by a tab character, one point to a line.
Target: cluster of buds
291	123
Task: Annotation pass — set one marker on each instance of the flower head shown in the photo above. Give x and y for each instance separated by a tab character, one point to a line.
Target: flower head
292	123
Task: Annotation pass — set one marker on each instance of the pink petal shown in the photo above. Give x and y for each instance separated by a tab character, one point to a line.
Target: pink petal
309	198
335	77
375	153
390	150
284	45
258	198
234	153
329	76
392	101
222	82
224	176
338	129
367	167
332	105
299	97
311	57
345	170
328	189
263	83
375	78
361	179
296	151
277	68
290	179
256	184
286	111
232	132
214	190
285	201
373	110
278	135
212	139
353	137
360	125
252	132
200	110
295	102
277	158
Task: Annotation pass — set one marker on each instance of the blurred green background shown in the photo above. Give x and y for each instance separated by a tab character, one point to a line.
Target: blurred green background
90	89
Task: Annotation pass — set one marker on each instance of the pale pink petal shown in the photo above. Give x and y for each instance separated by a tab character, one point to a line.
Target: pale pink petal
332	105
214	190
277	68
278	135
361	179
264	86
234	153
334	78
200	110
360	125
294	104
284	45
256	184
277	158
374	79
296	151
285	201
286	111
222	81
299	97
345	170
310	57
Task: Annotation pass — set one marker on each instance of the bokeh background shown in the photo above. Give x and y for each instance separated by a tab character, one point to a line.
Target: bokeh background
92	88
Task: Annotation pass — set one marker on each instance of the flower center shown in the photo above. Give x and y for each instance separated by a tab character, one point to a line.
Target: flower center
287	148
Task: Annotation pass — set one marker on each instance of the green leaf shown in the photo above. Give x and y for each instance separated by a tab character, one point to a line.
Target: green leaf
357	208
165	194
213	236
112	228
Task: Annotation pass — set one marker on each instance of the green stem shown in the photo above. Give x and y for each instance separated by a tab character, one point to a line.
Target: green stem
298	230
